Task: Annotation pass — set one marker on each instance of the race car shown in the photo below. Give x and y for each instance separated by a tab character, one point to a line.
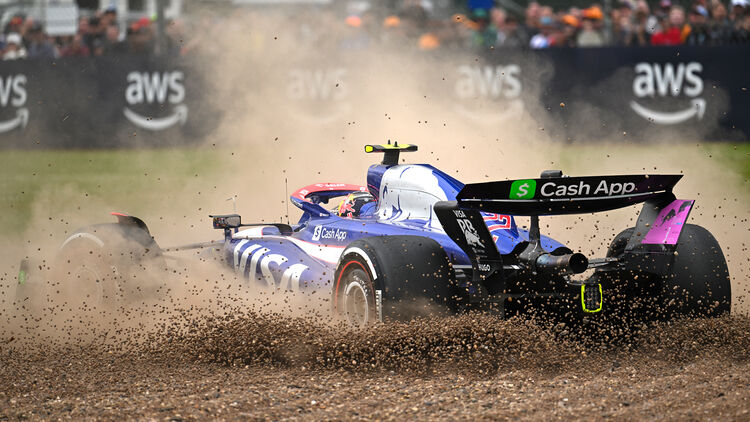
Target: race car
416	242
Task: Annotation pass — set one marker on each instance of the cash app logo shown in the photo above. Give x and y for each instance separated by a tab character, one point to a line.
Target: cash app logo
523	189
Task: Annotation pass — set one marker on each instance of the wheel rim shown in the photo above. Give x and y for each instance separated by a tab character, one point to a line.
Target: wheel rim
93	284
87	283
356	300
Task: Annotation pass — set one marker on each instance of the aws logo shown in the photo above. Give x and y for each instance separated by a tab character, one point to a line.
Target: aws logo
477	85
654	80
321	94
159	88
13	94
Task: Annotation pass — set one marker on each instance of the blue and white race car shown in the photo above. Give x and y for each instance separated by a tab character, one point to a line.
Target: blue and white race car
415	241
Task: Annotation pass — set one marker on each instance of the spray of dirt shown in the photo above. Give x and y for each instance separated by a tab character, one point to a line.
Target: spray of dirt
294	118
276	136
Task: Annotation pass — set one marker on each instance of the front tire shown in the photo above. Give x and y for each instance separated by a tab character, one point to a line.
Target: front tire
108	264
357	296
393	277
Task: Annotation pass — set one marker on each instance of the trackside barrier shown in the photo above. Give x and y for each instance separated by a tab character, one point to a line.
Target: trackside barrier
581	94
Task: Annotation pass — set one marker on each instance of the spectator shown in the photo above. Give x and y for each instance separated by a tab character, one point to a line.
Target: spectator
547	29
40	47
15	24
83	27
533	13
112	42
662	12
497	17
700	33
459	32
109	17
354	35
622	28
484	35
76	48
94	32
742	33
13	47
141	37
738	8
721	27
569	33
590	35
512	34
643	25
674	30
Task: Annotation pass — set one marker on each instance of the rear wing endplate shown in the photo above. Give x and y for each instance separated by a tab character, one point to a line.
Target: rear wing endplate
466	227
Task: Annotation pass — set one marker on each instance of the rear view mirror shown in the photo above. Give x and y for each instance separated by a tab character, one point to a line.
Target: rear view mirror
229	221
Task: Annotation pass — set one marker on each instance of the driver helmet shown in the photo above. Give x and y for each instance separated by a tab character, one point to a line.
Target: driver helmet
353	203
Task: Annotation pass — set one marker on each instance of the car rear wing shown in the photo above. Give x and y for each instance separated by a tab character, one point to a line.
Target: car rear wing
556	195
650	247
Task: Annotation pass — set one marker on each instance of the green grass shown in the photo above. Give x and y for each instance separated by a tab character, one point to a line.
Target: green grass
736	157
68	179
44	184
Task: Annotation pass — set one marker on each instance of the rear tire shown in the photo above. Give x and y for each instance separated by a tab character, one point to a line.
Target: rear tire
697	284
393	277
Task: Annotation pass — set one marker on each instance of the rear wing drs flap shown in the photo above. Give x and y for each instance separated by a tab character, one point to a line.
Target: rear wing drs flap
566	195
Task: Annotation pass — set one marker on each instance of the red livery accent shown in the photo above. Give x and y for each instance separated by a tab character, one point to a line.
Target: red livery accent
503	221
311	190
338	280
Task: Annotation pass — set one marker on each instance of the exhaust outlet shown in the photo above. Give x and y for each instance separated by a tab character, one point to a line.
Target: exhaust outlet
575	263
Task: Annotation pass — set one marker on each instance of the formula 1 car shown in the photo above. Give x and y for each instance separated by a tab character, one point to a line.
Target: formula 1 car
415	241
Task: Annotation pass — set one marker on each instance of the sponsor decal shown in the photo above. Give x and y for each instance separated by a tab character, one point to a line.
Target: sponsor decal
320	93
316	233
260	266
323	233
156	88
13	94
668	224
523	189
488	82
527	189
558	189
494	83
656	80
330	185
470	233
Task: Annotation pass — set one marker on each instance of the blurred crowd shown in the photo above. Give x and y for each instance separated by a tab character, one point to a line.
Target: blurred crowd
96	35
628	23
482	24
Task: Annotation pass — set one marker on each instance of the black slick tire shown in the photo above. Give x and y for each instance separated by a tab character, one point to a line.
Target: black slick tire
107	264
393	278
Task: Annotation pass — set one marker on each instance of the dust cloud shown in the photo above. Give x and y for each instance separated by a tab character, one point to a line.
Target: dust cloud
201	332
280	133
283	137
